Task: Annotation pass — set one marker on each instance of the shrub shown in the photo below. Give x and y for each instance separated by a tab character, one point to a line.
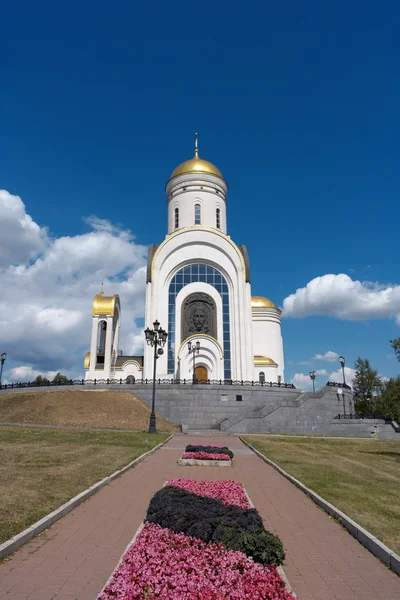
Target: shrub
210	520
210	449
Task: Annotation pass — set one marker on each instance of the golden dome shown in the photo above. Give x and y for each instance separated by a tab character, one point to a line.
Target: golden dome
104	305
264	360
196	165
261	302
86	362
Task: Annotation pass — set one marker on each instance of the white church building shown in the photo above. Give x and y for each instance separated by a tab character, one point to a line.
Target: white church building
198	287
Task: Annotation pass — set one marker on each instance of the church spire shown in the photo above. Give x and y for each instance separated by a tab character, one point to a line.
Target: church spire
196	145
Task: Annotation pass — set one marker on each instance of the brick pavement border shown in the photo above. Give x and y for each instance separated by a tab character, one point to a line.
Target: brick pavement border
10	546
366	539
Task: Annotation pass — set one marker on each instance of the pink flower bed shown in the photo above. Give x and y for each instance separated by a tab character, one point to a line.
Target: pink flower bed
205	456
229	492
172	566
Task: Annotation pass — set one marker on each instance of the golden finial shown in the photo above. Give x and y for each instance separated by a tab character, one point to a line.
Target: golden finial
102	289
196	145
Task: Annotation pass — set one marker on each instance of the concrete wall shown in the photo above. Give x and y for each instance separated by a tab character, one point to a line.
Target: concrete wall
261	410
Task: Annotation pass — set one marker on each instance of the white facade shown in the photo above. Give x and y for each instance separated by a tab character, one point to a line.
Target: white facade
198	288
197	238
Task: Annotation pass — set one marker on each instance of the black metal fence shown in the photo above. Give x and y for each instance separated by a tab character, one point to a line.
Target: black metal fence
338	385
130	380
362	417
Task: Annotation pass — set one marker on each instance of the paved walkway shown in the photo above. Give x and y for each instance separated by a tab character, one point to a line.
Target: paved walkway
74	558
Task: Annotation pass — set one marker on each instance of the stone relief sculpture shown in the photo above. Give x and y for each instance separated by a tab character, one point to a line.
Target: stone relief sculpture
198	315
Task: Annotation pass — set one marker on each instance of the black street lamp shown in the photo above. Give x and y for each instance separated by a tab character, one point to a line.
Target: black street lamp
342	362
313	375
3	359
155	337
195	348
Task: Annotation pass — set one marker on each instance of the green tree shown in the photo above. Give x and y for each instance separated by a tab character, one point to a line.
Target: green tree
388	404
396	347
366	385
41	380
60	379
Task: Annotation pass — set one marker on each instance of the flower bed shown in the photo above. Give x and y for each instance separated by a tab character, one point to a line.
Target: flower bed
167	565
212	521
201	541
204	456
210	449
229	492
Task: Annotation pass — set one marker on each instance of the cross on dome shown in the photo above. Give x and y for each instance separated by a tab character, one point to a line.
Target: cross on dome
196	164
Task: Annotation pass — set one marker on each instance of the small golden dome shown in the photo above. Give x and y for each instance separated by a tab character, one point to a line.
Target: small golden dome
196	165
261	302
264	360
86	362
104	305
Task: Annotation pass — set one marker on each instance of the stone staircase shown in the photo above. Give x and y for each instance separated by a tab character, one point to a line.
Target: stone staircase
388	431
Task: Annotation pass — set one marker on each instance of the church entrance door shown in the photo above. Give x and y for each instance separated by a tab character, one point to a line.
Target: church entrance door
201	374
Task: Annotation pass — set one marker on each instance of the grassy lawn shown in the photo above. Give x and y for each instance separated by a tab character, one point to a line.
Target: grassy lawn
361	477
82	408
40	469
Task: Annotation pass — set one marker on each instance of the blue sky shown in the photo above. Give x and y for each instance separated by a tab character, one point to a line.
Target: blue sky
296	103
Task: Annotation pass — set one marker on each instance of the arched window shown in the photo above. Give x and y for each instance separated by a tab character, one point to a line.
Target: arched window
176	218
197	214
218	218
207	274
261	377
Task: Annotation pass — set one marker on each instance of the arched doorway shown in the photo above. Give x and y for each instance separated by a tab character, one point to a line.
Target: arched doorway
201	374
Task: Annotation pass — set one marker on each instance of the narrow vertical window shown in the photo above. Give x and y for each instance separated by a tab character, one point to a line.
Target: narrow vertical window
262	377
197	214
218	218
176	218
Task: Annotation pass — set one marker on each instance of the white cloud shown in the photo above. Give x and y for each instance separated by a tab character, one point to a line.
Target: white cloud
328	356
337	376
46	300
25	373
304	382
340	296
20	237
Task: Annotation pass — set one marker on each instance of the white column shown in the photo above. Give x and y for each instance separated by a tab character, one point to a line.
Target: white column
93	343
107	351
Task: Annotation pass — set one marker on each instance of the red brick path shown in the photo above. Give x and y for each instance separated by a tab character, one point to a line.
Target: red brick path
75	557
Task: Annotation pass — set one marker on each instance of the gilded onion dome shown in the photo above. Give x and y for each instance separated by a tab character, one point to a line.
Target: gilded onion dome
261	302
197	165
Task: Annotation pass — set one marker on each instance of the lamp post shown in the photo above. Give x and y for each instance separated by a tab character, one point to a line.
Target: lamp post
155	337
195	348
342	362
340	396
313	375
3	359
